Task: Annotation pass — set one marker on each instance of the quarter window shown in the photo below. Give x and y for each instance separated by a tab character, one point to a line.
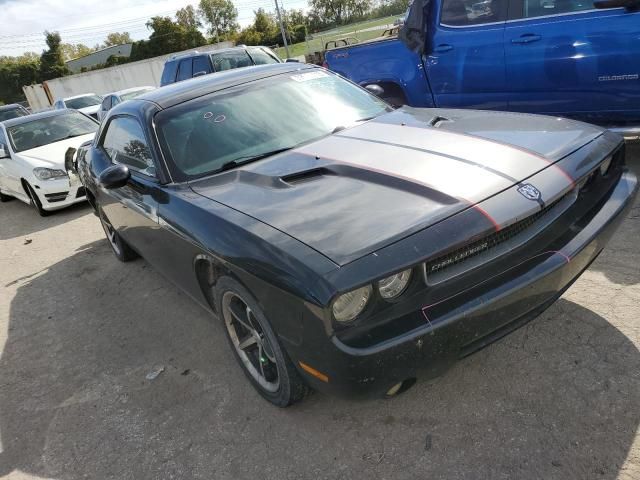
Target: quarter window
542	8
185	69
106	103
201	64
462	13
260	57
125	143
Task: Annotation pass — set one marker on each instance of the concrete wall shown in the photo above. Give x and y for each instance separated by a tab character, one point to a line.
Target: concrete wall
106	80
99	57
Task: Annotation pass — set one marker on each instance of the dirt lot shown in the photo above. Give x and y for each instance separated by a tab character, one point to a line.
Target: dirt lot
79	332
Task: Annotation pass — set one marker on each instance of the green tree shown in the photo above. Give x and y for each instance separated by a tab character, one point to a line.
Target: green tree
117	38
52	60
187	18
339	12
71	51
221	17
167	37
15	72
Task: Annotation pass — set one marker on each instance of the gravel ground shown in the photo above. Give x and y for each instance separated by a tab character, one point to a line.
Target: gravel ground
80	331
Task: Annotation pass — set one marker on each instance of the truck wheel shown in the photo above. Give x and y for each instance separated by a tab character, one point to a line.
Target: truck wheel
256	346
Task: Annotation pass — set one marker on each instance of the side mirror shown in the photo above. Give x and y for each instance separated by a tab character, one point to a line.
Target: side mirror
4	153
629	4
377	90
115	176
199	74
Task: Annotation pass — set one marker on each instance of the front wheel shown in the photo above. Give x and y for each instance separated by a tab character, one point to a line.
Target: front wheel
35	201
256	346
120	248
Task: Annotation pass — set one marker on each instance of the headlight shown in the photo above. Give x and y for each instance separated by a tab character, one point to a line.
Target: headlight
604	166
349	305
394	285
48	173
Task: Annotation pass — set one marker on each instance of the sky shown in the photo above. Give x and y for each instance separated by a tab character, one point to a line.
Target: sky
89	21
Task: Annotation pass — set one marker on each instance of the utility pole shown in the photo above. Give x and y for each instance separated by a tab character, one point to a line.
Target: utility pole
284	37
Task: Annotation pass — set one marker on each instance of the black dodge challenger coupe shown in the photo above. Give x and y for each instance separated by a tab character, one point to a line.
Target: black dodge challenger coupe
346	246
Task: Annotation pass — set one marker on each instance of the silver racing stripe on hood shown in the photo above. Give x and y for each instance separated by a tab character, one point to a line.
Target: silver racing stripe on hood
462	180
511	161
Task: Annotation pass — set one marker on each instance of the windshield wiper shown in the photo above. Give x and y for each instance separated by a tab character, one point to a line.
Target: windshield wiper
250	158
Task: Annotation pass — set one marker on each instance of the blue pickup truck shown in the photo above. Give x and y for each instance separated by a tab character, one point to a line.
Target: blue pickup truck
569	58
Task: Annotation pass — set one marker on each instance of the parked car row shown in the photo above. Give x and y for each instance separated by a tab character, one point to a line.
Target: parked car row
347	246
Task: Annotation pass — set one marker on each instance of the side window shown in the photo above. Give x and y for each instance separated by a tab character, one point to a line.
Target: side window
201	64
462	13
124	143
185	69
3	139
59	104
230	60
541	8
115	101
106	103
260	57
169	73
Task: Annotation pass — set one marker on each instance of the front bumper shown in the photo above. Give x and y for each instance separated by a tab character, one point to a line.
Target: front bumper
458	326
57	194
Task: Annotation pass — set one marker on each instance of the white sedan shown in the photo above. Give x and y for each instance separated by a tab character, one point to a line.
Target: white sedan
32	158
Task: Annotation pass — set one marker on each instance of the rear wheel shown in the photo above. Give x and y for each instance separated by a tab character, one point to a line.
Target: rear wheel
35	201
256	346
121	250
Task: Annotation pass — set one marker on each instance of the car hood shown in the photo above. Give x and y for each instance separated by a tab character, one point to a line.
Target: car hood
52	155
356	191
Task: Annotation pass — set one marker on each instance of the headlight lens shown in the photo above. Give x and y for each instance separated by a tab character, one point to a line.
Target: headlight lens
393	286
349	305
604	166
48	173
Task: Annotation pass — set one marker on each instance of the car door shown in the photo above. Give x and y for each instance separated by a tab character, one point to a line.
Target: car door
565	57
132	209
10	168
465	54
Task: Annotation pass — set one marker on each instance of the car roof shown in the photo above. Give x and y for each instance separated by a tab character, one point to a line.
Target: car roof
78	96
36	116
11	106
129	90
186	90
210	52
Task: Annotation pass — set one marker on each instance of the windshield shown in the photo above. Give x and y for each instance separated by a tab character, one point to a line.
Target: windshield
49	130
83	102
134	94
10	113
263	116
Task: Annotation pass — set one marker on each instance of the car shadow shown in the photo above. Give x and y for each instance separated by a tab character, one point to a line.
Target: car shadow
29	222
620	260
116	374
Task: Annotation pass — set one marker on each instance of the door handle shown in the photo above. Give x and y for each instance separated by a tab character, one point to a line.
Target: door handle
526	38
443	48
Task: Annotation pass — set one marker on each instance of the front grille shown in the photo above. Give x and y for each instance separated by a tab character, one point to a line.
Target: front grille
492	245
56	197
81	192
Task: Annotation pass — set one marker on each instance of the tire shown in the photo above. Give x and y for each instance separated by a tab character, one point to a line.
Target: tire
35	201
5	198
395	101
119	247
281	383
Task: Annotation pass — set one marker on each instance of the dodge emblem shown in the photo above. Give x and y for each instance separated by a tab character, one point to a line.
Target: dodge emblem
529	191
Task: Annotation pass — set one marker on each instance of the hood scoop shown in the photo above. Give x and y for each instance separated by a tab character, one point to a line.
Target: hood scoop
306	176
438	121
